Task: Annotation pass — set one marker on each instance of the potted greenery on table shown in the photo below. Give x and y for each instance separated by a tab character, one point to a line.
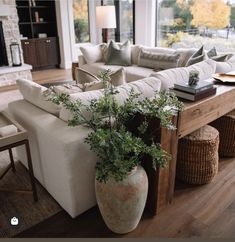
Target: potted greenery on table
121	183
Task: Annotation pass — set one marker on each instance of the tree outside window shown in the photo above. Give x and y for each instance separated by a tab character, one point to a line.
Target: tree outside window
81	21
192	23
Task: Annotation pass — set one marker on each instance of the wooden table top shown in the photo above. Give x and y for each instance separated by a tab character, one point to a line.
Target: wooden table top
196	114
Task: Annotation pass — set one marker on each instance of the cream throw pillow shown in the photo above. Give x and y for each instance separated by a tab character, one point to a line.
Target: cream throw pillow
34	93
92	54
67	89
117	79
83	76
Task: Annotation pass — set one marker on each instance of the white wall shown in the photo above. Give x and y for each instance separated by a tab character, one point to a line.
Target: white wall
145	16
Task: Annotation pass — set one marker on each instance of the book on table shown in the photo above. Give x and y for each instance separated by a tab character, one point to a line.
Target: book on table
201	86
196	96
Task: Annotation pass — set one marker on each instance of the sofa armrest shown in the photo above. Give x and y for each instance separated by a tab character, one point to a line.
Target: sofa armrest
81	60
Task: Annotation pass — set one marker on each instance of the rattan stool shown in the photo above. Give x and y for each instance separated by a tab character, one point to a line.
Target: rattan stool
197	160
226	127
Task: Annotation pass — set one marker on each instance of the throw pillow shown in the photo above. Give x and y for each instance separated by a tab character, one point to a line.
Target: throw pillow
158	61
221	58
119	54
117	79
92	54
34	93
211	53
83	76
198	56
67	88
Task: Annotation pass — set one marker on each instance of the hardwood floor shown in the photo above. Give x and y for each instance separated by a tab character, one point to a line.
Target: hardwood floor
45	76
206	211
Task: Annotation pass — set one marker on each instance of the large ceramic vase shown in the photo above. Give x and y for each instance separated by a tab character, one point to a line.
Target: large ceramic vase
122	203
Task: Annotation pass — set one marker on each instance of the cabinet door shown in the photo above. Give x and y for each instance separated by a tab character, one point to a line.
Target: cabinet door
52	51
29	52
41	55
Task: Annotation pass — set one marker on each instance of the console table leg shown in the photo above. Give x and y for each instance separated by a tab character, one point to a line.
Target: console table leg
12	160
31	174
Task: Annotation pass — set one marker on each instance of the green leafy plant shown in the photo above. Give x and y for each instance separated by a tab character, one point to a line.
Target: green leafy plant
117	148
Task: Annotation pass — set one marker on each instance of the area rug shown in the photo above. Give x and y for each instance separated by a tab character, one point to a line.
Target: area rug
22	206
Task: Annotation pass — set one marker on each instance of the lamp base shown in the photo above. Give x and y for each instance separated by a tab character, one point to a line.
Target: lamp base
105	35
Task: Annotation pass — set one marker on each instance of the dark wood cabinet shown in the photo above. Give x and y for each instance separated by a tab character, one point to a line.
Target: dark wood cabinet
29	52
36	18
41	53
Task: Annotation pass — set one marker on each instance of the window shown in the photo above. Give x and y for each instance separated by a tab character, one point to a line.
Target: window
126	20
125	14
192	23
81	21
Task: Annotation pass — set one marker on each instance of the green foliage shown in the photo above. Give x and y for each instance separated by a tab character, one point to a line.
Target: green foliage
117	148
81	29
172	38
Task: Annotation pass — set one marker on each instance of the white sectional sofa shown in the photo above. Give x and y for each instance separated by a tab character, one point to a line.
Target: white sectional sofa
135	72
62	162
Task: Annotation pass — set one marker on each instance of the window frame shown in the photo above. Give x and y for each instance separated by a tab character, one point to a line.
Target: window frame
118	29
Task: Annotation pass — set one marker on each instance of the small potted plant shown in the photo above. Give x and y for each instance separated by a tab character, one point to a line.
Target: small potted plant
121	183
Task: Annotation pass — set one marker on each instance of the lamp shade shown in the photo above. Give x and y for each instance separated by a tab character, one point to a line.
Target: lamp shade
106	17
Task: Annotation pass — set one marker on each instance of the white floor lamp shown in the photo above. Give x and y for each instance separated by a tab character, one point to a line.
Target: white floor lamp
106	19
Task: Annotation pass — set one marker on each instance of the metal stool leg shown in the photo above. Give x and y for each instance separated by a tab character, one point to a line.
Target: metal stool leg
12	160
31	174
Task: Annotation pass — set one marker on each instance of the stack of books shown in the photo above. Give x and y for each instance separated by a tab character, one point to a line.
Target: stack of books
194	93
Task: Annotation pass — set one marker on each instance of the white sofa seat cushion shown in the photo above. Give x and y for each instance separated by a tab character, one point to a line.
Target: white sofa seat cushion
67	173
96	68
145	87
33	93
176	75
134	73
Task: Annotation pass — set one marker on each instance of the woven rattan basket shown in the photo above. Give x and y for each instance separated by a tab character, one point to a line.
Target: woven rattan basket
197	160
226	127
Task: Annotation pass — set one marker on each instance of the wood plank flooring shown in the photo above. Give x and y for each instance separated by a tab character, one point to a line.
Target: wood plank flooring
206	211
45	76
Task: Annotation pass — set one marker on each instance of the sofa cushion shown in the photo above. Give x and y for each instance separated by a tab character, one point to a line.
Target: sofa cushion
185	54
212	52
34	93
84	76
134	73
169	77
221	58
223	67
67	88
92	54
158	61
135	51
198	56
117	78
97	67
145	87
119	54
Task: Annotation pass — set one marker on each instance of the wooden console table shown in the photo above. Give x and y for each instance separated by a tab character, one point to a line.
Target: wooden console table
14	140
192	117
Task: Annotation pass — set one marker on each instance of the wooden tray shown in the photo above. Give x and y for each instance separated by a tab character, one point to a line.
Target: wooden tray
225	77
